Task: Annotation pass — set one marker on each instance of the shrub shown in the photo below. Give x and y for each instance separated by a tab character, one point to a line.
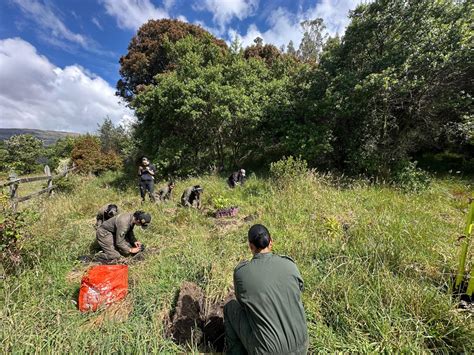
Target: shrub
12	231
288	168
411	178
89	158
65	184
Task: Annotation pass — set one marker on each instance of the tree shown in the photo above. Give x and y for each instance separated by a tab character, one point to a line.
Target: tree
268	52
290	49
203	113
314	37
24	150
113	138
59	151
147	53
89	158
398	81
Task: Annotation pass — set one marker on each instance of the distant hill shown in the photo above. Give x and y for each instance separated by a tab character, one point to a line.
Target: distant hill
48	137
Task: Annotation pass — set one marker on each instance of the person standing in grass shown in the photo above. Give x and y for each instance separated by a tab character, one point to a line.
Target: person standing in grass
116	238
146	172
268	316
105	213
236	178
164	194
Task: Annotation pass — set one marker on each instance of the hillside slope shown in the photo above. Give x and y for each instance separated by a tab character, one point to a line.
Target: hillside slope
48	137
375	261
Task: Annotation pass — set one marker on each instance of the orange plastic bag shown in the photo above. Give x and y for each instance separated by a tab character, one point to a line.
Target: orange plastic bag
103	285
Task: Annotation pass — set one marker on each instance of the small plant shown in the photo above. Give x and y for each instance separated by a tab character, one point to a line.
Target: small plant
12	226
411	178
65	184
288	168
220	202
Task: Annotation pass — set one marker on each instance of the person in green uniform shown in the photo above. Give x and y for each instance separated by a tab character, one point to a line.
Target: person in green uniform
164	194
191	197
268	315
116	238
105	212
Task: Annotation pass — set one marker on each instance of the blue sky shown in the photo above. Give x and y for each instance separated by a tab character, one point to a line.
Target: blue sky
59	58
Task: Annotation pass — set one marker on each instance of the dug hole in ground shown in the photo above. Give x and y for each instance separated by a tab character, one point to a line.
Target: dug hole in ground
196	321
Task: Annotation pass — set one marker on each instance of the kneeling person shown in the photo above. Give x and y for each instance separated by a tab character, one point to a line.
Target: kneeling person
268	316
192	196
165	192
116	238
236	178
105	213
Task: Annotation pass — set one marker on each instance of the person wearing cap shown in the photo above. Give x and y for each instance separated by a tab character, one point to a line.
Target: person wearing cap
146	172
268	315
105	213
164	194
116	238
191	197
237	177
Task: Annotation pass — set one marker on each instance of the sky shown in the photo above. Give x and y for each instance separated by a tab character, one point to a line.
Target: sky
59	59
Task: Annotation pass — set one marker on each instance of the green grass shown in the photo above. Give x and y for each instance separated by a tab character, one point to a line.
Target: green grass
376	264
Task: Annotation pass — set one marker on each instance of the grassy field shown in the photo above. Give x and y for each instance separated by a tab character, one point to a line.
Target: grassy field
376	263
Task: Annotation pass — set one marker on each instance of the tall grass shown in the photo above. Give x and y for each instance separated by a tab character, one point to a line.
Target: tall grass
376	263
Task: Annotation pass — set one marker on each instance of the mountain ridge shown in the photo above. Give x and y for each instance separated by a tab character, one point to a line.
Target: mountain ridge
48	137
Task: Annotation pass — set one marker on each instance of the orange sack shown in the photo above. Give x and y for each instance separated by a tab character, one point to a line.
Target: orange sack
103	285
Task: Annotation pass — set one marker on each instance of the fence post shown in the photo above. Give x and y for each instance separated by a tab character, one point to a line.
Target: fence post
13	189
47	172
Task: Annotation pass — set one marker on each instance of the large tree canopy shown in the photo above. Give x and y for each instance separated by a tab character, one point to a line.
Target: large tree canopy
401	76
147	52
396	85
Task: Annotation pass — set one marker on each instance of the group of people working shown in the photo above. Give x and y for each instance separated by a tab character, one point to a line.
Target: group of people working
267	316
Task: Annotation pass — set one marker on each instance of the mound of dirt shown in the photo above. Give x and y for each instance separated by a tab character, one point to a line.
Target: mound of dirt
186	323
197	322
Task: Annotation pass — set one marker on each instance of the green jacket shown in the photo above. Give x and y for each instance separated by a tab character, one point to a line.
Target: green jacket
120	227
165	193
269	288
100	218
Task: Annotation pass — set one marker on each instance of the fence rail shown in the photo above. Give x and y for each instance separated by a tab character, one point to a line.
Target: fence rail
14	182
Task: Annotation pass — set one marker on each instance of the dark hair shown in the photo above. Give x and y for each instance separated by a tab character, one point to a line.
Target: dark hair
171	182
111	208
140	215
143	158
259	236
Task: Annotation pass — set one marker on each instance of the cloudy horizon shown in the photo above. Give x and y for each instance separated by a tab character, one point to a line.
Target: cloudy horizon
59	63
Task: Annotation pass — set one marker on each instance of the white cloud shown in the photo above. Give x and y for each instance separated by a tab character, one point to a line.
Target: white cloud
96	22
168	4
225	10
44	16
34	93
285	26
131	14
334	13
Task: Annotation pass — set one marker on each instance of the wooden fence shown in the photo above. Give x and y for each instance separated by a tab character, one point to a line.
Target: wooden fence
14	182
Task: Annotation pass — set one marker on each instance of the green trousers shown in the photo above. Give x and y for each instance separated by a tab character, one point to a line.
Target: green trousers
238	333
240	338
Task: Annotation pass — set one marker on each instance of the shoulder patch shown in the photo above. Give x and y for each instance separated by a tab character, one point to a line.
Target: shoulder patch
287	257
239	265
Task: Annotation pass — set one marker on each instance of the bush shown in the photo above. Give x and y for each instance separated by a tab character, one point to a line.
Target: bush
89	158
411	178
22	153
12	231
65	184
288	168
